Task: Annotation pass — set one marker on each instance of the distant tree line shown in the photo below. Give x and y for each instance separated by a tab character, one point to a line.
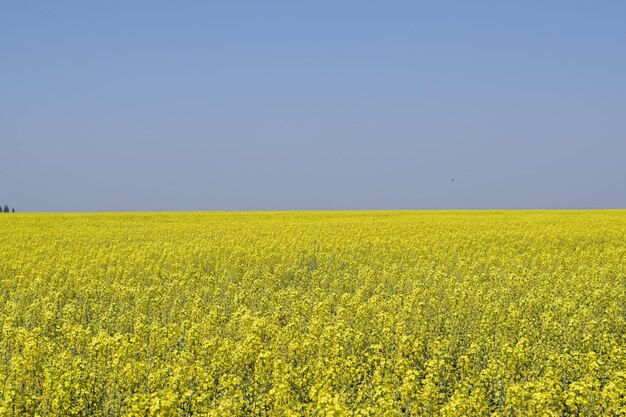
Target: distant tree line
6	209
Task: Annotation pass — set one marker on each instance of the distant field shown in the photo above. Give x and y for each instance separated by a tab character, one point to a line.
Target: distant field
313	313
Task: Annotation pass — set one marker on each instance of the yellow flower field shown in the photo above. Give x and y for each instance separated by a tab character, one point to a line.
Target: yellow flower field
378	313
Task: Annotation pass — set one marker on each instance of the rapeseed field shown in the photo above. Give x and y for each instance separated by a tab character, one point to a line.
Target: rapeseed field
404	313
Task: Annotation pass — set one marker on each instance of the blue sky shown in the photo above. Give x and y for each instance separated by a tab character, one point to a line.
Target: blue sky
119	105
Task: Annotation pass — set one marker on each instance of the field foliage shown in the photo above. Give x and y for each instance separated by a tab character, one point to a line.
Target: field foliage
313	313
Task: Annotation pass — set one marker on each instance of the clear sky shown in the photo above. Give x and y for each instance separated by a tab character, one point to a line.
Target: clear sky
280	105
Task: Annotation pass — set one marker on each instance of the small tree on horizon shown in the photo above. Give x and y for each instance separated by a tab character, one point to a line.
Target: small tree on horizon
13	210
6	208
